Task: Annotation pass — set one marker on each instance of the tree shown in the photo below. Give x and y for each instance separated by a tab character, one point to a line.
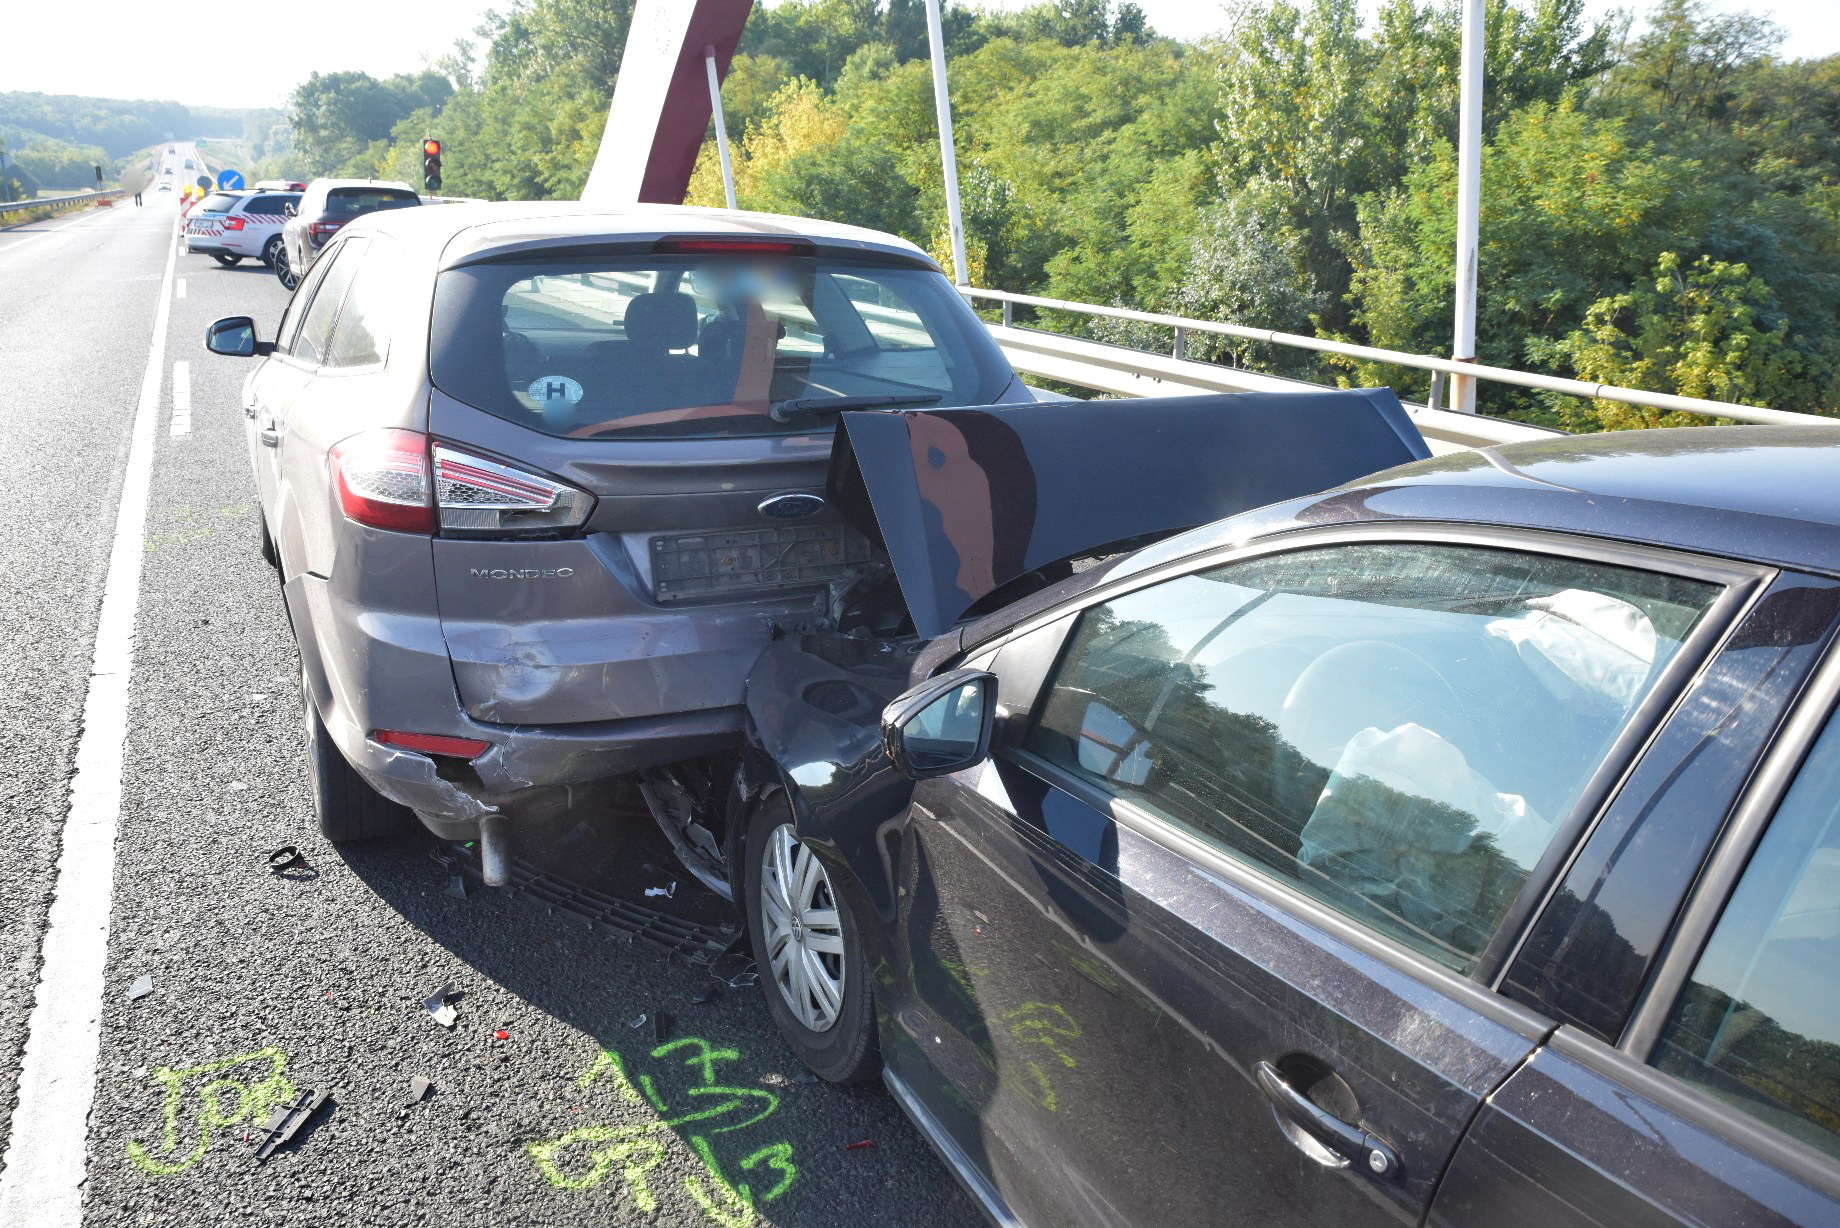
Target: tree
1705	329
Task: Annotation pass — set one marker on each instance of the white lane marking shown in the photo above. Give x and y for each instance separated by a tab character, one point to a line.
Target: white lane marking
41	1176
182	398
179	288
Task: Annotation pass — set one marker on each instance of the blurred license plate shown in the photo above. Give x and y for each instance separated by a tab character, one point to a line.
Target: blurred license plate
737	561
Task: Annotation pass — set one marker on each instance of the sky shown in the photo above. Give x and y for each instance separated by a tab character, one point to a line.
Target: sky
239	56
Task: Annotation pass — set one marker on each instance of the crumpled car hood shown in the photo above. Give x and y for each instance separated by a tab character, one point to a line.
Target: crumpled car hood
965	500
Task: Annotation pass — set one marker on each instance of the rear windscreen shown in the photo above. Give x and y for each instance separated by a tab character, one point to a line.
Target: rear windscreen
217	202
350	202
704	344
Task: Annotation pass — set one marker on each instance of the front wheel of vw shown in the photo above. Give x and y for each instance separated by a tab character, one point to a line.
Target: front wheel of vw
809	953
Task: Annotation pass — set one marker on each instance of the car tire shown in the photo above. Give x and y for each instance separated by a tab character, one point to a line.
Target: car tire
227	260
347	808
840	1045
269	249
284	269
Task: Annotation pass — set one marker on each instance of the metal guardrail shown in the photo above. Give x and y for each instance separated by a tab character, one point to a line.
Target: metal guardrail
1122	371
54	202
1183	325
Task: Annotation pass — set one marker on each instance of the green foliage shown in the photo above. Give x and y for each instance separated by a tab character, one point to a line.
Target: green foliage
1708	329
335	116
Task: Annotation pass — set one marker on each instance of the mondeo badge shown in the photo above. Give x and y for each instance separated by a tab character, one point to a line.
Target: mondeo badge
793	505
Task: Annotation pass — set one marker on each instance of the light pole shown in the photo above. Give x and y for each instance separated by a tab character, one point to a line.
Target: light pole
1469	202
942	107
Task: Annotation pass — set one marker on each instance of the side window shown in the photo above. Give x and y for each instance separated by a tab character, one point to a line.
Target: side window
362	338
289	330
323	312
1758	1024
1396	730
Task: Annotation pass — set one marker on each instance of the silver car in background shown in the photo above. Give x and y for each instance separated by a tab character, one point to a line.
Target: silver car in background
541	481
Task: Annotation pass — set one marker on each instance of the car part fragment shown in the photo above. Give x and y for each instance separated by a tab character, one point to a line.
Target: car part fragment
285	1120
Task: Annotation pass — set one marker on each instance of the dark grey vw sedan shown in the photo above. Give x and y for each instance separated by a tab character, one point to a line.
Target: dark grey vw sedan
1460	846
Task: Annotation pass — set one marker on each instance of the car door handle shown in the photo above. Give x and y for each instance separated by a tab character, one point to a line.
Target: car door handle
1360	1148
270	437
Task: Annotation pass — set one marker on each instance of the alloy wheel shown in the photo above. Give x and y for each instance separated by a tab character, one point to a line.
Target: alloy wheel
804	931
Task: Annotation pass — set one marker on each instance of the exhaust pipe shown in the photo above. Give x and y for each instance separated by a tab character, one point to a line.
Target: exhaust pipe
495	850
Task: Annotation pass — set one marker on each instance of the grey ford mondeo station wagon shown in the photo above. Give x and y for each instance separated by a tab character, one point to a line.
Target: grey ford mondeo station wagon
542	479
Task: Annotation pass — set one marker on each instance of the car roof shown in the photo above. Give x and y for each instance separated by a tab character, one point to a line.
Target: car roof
1765	494
455	234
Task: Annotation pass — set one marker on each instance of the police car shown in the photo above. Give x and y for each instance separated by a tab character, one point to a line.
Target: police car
233	225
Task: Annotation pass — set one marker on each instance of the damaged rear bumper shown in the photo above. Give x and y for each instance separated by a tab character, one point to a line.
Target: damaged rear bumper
376	669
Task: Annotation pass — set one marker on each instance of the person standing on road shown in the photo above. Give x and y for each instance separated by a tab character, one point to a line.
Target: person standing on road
137	200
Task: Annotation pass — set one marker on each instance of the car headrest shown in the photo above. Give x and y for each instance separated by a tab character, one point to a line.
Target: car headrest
662	320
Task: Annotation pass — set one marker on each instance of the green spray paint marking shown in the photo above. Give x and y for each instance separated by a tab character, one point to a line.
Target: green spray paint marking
252	1101
632	1151
609	1061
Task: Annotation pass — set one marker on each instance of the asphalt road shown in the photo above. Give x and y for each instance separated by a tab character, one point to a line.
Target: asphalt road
266	985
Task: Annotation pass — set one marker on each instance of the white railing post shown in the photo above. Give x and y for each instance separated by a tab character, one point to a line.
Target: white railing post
948	156
1469	202
715	106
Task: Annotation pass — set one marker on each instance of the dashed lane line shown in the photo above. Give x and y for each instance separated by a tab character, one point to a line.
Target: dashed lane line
179	288
41	1176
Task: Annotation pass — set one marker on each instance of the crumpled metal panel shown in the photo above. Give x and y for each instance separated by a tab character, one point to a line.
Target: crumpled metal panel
965	500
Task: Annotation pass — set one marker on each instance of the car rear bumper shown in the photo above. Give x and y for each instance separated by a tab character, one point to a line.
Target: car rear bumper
203	245
375	669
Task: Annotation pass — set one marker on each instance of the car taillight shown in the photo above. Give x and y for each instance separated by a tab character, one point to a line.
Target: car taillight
322	231
395	479
232	223
382	480
433	743
487	497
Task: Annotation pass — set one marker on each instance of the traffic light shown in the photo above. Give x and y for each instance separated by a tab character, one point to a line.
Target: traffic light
431	164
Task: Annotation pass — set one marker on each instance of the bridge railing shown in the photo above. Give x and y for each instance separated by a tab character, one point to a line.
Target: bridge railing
1156	367
55	202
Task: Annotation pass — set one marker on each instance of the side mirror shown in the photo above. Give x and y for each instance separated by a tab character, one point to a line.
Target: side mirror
288	208
942	725
235	337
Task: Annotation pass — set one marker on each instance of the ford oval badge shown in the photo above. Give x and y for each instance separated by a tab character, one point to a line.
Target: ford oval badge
791	506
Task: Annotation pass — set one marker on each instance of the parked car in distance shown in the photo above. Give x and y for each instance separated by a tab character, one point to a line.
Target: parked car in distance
325	206
1458	846
542	480
232	226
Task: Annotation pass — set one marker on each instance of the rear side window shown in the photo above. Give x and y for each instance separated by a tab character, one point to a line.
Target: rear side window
703	344
270	204
1759	1023
315	338
362	336
1396	730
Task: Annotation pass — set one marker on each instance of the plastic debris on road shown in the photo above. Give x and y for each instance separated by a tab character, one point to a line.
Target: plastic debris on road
419	1089
440	1005
285	1120
140	989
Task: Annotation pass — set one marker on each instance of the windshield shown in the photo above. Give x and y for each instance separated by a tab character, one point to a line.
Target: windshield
704	344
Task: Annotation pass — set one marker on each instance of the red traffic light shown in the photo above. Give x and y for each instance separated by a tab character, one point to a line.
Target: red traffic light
431	148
